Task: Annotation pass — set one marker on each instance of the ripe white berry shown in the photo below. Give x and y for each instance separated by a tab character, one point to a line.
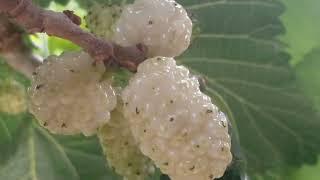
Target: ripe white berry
162	25
122	151
68	97
176	125
12	97
102	18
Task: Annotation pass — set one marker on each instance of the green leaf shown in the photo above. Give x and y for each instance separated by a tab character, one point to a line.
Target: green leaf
87	157
39	155
46	3
57	45
303	27
87	4
306	172
6	72
309	75
62	2
248	74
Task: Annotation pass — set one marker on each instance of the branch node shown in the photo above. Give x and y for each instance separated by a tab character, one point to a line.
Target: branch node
73	17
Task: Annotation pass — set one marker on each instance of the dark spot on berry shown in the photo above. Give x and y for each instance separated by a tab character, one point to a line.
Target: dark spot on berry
45	124
129	164
153	150
63	125
166	164
159	58
171	101
126	143
211	176
138	173
137	110
192	168
171	119
223	123
175	4
150	22
126	103
209	111
39	86
223	149
185	134
89	13
71	70
34	73
145	131
114	15
153	88
113	168
198	146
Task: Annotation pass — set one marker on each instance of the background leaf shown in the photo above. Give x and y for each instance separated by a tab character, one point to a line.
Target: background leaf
309	75
303	27
37	155
247	71
46	3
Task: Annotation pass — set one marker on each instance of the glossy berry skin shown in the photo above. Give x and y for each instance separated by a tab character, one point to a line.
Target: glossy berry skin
101	19
176	125
68	97
121	149
162	25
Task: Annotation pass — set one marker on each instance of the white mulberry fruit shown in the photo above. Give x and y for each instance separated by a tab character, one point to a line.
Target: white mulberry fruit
68	97
101	19
12	97
121	149
162	25
176	125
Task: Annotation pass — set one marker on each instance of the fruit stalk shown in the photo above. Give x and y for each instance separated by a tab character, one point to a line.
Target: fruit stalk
35	19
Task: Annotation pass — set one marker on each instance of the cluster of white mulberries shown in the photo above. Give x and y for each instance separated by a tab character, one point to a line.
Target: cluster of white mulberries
164	115
162	25
12	97
176	125
121	149
101	19
68	97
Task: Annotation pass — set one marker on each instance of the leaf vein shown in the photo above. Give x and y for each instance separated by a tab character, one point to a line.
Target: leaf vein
233	3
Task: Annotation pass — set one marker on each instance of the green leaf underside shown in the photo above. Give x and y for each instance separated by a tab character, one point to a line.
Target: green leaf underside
248	73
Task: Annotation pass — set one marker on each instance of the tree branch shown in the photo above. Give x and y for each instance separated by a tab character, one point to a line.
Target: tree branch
14	50
63	25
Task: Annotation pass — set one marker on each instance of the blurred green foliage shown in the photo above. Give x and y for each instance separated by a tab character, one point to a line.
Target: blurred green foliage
303	27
